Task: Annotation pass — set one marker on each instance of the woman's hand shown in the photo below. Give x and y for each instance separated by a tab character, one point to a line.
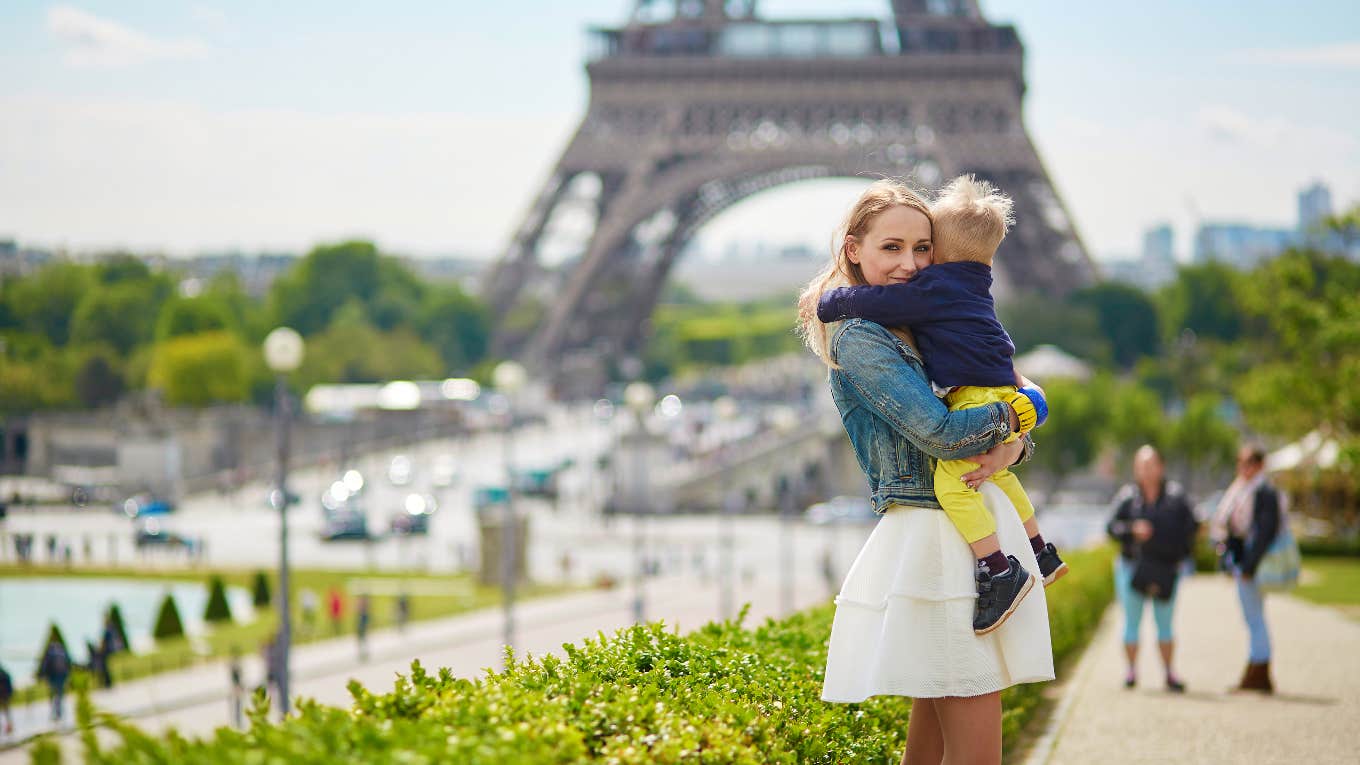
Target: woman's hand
997	458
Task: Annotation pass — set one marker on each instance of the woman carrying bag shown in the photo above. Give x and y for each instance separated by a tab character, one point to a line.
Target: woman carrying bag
1155	529
1259	552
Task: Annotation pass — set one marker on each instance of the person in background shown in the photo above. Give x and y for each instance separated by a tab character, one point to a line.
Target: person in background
308	600
336	609
1248	519
361	625
6	693
1152	522
403	610
238	691
54	669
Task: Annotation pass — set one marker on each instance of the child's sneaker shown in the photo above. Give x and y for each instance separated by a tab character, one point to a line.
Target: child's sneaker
999	595
1051	567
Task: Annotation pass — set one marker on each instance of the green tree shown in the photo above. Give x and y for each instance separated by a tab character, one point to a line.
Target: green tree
1127	318
352	350
308	296
120	315
259	590
99	381
1034	320
114	618
218	609
197	370
1204	299
1202	441
45	302
193	315
1071	438
168	623
456	325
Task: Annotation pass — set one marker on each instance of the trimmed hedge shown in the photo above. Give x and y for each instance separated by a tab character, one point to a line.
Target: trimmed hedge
722	694
218	609
259	590
168	623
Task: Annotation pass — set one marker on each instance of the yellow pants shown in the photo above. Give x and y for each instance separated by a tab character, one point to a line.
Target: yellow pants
963	505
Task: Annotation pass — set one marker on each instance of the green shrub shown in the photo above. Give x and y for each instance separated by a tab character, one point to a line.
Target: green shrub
722	694
260	590
217	610
115	616
168	623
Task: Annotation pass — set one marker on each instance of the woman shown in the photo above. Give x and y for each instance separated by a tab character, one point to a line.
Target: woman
903	622
1155	528
1249	518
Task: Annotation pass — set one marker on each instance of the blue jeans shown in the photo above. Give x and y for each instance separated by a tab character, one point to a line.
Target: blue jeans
1133	600
1254	612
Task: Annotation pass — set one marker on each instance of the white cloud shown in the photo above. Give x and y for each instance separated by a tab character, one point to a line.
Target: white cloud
92	41
1338	55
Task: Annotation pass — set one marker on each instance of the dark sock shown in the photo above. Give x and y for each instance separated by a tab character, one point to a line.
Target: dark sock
1036	543
994	564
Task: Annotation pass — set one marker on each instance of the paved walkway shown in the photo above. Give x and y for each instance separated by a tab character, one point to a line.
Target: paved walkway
195	701
1313	718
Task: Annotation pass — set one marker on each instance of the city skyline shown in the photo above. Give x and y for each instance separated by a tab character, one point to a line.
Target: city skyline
199	128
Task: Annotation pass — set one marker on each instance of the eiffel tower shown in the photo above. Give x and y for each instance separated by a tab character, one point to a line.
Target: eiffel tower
696	105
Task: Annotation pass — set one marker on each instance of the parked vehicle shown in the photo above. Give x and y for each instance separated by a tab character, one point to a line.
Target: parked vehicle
144	505
413	517
150	533
345	523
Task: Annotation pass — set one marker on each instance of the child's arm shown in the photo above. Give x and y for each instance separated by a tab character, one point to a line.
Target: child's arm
892	305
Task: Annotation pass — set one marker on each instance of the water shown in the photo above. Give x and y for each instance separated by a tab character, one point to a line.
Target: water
77	605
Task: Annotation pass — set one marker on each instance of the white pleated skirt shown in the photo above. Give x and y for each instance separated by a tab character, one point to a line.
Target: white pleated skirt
904	616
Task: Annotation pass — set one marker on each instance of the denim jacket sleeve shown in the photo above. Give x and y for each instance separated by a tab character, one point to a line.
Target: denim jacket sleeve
889	379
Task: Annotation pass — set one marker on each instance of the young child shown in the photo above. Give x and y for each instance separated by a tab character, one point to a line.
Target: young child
949	308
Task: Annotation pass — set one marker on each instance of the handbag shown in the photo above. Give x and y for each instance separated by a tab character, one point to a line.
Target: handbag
1154	578
1279	567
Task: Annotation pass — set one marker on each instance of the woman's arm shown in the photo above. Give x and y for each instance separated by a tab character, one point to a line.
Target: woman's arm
897	391
1119	528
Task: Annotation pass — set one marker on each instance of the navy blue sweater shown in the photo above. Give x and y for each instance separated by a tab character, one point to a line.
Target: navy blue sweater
949	309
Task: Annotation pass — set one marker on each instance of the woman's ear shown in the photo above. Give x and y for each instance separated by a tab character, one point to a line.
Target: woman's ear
851	249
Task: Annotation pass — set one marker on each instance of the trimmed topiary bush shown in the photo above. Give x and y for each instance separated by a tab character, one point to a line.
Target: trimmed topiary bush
260	590
168	623
115	616
217	610
722	694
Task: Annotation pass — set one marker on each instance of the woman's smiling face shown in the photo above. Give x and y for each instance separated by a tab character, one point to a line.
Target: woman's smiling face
895	247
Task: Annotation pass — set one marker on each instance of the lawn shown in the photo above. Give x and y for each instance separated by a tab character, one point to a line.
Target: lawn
1332	581
432	596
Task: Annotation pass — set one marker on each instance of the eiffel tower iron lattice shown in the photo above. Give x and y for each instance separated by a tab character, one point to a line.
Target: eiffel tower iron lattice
696	105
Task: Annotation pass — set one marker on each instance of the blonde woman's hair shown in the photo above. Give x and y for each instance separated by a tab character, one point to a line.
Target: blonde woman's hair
971	219
881	195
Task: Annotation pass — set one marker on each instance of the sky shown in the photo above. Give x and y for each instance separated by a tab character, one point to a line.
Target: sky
428	125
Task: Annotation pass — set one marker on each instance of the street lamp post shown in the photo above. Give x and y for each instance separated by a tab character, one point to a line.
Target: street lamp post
509	377
640	399
726	410
785	424
283	353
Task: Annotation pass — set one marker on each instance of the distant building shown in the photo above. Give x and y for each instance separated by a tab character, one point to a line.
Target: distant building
1159	255
1315	205
1155	266
1239	244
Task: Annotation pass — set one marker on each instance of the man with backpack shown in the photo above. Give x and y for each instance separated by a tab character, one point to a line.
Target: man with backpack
55	669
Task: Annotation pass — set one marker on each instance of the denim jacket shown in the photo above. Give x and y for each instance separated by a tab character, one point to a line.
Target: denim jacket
896	425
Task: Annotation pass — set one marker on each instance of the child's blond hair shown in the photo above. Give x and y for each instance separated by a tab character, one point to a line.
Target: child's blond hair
971	219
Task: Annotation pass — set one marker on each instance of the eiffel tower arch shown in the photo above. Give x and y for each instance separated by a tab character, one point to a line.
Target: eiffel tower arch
696	105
